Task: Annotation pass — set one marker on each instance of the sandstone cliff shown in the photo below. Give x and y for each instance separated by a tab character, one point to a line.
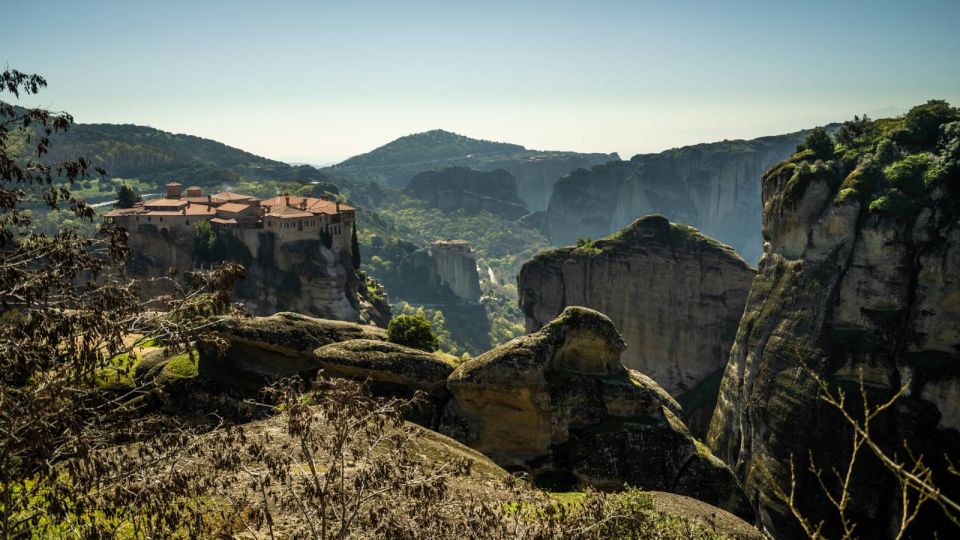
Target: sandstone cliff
861	271
713	187
456	266
676	295
559	404
302	275
461	188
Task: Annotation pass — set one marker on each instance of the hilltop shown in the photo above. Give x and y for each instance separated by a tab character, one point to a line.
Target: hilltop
155	156
396	162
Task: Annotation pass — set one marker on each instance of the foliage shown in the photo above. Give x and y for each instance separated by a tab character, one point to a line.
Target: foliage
922	123
857	132
914	478
211	247
819	143
355	247
67	313
412	331
428	146
126	197
587	245
438	324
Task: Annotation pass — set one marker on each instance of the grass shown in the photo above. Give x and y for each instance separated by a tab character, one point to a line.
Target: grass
180	367
118	374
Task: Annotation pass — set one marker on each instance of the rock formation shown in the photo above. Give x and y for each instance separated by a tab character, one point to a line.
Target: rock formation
386	363
277	346
559	404
300	275
456	266
676	295
861	275
713	187
461	188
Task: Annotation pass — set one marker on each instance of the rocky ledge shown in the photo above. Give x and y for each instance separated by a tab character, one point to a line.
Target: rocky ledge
559	404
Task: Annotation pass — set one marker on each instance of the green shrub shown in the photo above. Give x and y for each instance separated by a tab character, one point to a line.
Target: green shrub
922	124
818	142
412	331
894	204
908	174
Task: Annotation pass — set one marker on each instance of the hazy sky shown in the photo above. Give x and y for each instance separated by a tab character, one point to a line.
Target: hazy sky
320	81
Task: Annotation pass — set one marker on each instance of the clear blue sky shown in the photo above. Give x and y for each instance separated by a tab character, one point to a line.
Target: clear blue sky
320	81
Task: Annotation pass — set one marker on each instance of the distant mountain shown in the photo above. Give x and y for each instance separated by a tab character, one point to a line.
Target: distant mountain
395	163
714	187
131	151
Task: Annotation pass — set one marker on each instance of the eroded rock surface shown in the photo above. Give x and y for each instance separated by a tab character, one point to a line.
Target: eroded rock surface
675	294
384	362
279	345
559	404
861	275
712	187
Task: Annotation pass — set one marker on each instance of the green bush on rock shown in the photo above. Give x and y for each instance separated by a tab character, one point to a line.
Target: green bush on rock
412	331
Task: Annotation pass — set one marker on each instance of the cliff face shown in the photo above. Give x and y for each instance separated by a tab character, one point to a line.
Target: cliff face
676	295
460	188
713	187
537	174
457	269
301	275
861	274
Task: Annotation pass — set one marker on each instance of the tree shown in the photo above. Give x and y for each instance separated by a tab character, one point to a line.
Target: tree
126	197
412	331
854	132
818	142
922	123
67	312
355	247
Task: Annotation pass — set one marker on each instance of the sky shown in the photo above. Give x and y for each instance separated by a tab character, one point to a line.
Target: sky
319	81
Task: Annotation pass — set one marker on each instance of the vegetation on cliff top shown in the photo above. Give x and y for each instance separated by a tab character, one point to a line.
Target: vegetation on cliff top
894	166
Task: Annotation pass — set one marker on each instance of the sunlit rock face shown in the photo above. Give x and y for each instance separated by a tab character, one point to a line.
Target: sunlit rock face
559	404
714	187
851	289
675	294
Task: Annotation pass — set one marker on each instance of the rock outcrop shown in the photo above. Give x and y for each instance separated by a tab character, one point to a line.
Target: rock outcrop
461	188
860	277
387	364
713	187
281	345
559	404
675	294
456	265
300	275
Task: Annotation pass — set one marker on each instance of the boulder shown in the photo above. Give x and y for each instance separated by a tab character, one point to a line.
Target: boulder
281	345
388	363
559	404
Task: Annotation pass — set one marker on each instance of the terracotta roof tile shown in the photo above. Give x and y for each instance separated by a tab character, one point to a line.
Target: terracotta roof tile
233	207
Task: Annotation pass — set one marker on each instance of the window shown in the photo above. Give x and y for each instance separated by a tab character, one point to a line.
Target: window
148	218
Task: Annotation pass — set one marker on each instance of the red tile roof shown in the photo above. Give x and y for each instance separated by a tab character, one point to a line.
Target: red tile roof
233	207
165	202
226	196
287	212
